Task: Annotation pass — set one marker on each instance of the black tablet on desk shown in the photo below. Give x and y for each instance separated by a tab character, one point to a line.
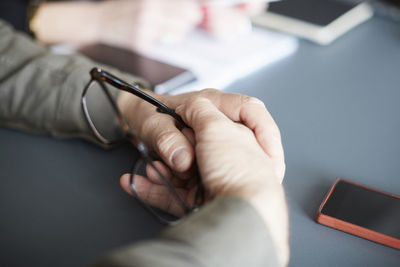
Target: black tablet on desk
321	21
161	76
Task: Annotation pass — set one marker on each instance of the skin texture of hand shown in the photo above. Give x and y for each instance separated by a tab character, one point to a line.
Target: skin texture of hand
238	152
162	133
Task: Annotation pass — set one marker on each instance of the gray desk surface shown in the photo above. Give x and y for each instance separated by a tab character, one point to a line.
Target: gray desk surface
338	110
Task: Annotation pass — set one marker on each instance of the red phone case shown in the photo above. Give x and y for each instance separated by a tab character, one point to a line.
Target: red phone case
352	228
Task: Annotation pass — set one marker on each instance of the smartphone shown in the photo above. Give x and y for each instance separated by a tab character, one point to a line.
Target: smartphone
162	77
362	211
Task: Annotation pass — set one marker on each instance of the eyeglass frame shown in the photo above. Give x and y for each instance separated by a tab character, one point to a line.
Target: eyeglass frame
101	76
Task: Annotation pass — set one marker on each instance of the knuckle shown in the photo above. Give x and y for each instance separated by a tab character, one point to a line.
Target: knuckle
164	141
195	103
197	111
209	91
147	127
251	100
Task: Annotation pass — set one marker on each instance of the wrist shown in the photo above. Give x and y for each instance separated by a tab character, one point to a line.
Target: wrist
269	202
69	22
127	103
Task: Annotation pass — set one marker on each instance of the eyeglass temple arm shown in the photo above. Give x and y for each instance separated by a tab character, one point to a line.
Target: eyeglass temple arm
161	107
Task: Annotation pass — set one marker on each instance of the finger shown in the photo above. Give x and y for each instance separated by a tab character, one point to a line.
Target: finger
255	116
191	172
155	195
124	181
159	173
158	196
189	134
169	143
247	110
252	112
183	177
178	179
200	114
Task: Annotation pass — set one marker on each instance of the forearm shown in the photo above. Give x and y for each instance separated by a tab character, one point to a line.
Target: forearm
40	91
67	22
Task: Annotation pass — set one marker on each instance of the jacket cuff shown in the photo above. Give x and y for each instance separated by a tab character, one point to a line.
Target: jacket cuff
227	232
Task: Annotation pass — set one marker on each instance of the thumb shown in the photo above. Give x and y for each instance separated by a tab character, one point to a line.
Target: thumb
200	113
168	142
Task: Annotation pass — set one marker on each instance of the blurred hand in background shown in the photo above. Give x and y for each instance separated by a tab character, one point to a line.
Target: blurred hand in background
136	24
224	21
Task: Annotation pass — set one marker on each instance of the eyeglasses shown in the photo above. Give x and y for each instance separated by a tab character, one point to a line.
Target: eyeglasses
146	169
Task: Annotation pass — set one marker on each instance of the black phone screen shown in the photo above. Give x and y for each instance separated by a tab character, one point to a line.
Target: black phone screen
155	72
316	12
363	207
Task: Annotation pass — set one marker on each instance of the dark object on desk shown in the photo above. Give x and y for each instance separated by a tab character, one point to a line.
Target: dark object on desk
392	2
15	13
362	211
159	74
321	21
387	9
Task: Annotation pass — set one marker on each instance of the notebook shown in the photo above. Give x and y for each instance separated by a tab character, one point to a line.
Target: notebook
216	64
321	21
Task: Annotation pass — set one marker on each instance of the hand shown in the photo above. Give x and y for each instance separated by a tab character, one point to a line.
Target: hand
138	24
130	24
231	160
162	133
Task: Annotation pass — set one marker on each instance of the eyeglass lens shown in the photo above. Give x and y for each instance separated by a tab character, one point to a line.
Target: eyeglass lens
97	99
151	181
152	184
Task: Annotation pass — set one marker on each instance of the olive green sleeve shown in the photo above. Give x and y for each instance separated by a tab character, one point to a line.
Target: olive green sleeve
227	232
41	92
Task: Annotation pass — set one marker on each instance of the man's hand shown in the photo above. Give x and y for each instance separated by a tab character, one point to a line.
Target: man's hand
238	152
139	24
133	25
163	134
136	24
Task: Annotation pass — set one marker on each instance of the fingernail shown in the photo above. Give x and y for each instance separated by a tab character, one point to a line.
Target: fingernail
180	158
